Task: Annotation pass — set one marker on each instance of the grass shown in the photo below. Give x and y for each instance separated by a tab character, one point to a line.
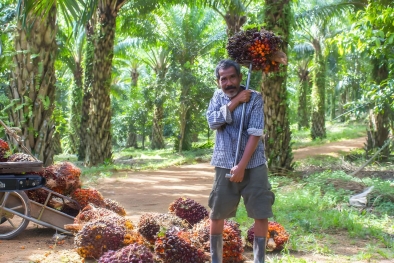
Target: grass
319	220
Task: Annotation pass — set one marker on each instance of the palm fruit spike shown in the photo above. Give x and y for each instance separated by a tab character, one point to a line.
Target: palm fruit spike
133	253
21	157
172	246
114	206
101	235
63	177
188	209
4	148
259	47
88	195
276	237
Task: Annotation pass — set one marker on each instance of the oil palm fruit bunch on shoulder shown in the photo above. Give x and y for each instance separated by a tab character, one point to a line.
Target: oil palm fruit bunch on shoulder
4	148
262	48
188	209
133	253
174	246
276	237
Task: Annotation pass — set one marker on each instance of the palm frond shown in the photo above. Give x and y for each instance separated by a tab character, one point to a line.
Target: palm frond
322	13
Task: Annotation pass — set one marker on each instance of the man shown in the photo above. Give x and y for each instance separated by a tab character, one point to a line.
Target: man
249	176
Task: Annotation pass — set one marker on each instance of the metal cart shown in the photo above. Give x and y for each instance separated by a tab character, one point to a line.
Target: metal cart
16	209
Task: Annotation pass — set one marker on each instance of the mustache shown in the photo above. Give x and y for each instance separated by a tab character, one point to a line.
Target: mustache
229	88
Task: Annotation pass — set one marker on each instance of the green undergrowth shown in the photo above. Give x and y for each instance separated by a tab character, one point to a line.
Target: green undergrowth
315	211
335	132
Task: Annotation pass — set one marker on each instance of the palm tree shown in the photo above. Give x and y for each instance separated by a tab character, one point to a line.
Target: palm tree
99	143
233	12
315	24
71	53
158	61
33	85
277	18
189	36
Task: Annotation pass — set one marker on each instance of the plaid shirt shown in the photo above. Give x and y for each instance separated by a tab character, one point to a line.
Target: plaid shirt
227	124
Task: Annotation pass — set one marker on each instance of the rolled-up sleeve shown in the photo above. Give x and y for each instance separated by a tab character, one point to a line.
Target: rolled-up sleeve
256	123
218	113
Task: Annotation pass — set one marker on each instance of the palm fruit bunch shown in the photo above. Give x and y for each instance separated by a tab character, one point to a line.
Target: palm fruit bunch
276	237
89	195
233	247
255	46
188	209
98	236
232	239
114	206
174	246
151	223
148	227
4	148
63	177
21	157
133	253
87	214
200	234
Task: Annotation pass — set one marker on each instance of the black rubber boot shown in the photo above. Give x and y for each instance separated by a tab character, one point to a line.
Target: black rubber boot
259	244
216	248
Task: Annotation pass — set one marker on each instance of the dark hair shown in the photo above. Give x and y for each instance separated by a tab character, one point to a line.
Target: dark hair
225	64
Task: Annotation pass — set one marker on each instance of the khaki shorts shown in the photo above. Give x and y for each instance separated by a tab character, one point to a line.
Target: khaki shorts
255	190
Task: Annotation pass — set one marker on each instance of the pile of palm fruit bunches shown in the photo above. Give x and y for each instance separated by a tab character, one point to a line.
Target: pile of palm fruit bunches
259	47
102	231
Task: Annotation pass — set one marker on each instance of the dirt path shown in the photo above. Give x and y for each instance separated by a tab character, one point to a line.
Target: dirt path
141	192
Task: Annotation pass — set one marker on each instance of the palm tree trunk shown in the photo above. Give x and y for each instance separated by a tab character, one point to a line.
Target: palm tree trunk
33	85
278	16
318	129
87	89
379	123
157	127
99	148
76	108
303	113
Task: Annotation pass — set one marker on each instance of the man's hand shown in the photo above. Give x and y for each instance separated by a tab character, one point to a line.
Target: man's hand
237	174
242	97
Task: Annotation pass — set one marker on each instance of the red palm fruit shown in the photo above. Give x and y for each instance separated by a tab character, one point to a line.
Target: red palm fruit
88	195
4	148
189	210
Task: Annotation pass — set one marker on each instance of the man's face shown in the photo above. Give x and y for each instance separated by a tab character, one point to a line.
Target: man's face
229	81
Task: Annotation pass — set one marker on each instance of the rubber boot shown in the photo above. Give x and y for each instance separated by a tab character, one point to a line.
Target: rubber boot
216	248
259	249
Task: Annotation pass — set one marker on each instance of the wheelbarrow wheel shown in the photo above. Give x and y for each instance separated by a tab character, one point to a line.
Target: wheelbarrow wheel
12	224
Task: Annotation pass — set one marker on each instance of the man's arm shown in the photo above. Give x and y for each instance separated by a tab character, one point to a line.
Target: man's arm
238	171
